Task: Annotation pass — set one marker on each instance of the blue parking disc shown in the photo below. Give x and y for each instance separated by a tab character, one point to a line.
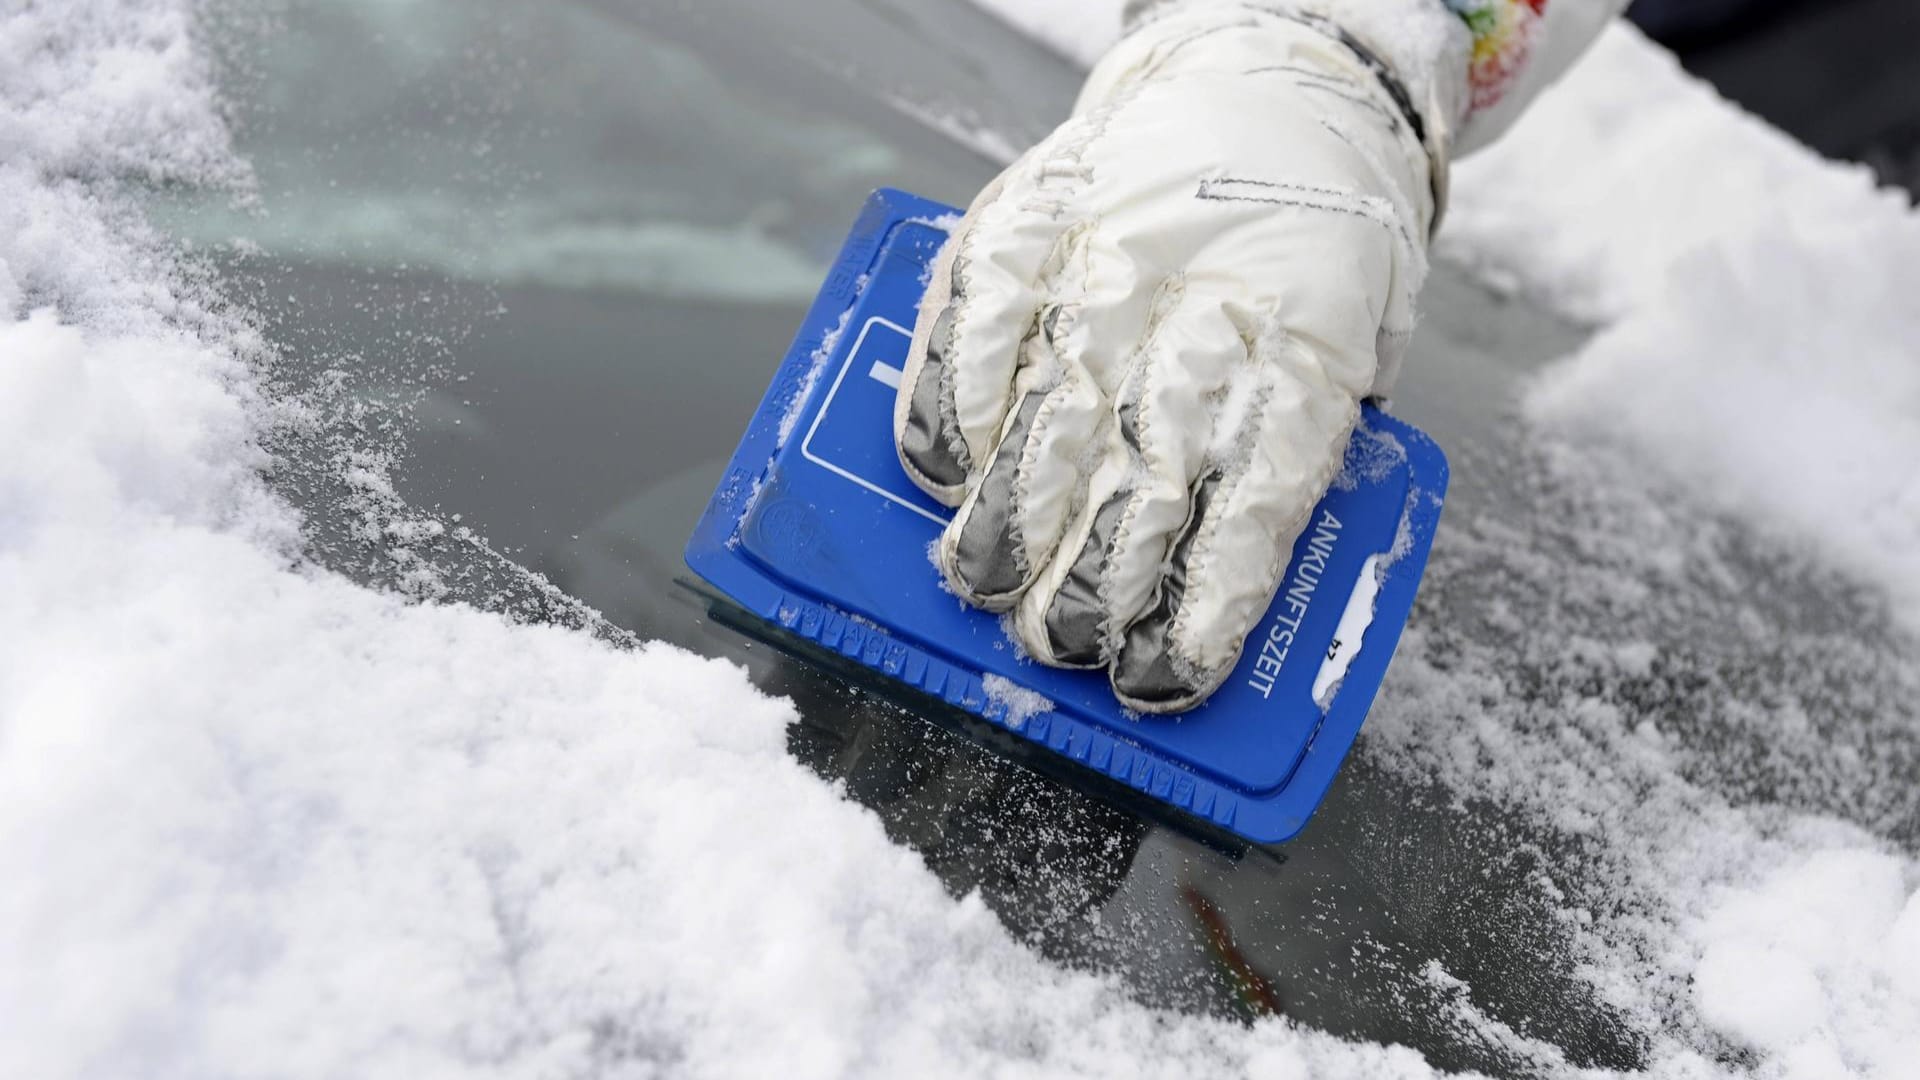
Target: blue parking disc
817	530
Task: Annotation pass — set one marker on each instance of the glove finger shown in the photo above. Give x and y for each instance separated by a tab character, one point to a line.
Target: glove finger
1156	447
1248	510
981	302
1062	619
1010	522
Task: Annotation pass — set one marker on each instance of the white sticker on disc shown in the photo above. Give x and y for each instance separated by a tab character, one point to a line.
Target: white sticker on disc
1352	630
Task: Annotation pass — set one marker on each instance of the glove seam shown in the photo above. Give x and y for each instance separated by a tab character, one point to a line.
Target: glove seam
1200	564
1373	208
1389	80
1133	389
1056	379
1364	206
1282	553
1309	79
1429	133
948	401
1069	159
1021	490
1413	256
1395	89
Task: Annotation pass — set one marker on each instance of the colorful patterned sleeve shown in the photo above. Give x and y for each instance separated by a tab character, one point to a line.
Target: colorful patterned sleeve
1512	49
1520	47
1504	32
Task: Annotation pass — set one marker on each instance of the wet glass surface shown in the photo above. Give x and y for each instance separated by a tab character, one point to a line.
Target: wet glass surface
529	268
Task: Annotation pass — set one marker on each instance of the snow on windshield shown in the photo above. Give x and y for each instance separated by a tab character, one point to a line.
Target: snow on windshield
1755	351
257	819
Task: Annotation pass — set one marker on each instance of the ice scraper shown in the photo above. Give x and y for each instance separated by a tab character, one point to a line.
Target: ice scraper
820	540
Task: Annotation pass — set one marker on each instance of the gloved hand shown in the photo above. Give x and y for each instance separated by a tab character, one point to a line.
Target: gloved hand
1142	352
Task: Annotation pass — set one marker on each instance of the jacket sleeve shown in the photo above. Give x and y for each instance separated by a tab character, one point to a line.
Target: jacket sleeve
1471	65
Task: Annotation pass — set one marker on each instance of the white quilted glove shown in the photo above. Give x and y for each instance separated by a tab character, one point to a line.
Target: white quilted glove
1142	352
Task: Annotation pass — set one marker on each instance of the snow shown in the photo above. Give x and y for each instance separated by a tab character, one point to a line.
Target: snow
256	819
962	130
1756	344
803	392
1077	29
1754	356
424	229
1758	330
1756	347
1021	703
1817	964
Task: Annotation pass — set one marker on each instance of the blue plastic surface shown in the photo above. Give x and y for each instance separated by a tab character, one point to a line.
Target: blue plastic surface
816	529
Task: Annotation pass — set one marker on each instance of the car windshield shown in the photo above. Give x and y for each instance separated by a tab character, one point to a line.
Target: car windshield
529	269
